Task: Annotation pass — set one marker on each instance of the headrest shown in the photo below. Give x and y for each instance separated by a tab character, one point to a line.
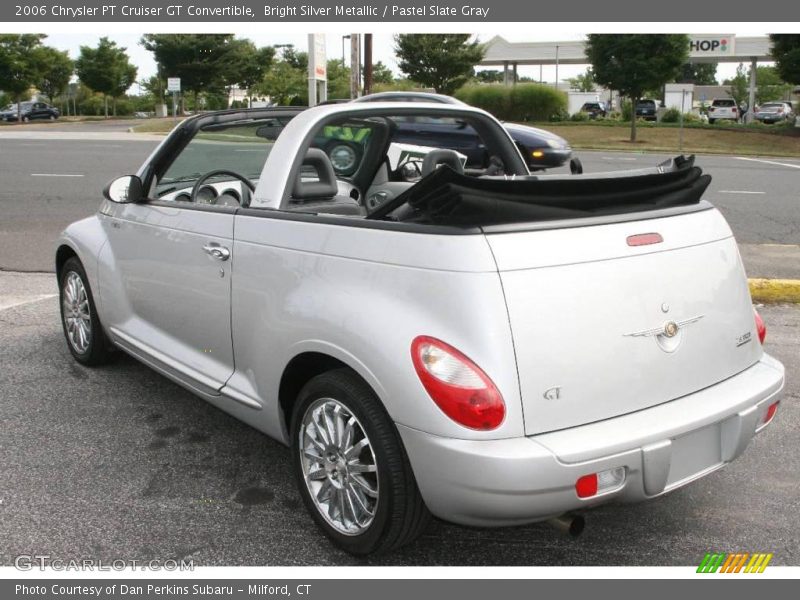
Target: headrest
435	158
325	186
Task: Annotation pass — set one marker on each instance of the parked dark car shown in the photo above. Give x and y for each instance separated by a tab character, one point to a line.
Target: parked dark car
29	111
540	148
647	110
593	109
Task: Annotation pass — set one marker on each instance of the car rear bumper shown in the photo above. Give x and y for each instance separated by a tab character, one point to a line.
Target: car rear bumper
521	480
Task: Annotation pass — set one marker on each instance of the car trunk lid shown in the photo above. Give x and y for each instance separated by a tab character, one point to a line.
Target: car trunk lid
608	320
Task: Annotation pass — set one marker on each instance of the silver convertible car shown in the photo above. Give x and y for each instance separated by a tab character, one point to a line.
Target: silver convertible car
429	336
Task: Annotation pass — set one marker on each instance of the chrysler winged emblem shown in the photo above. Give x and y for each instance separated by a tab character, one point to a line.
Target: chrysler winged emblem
669	335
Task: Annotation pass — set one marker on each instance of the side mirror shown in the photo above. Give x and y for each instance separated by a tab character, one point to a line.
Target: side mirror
124	190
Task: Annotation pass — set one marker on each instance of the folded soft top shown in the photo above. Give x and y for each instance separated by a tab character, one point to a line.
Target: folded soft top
446	197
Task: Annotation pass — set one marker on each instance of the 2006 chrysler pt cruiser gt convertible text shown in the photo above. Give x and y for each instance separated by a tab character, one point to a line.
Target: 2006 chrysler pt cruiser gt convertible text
429	335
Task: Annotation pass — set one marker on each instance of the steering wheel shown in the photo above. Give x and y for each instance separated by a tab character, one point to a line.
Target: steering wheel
203	178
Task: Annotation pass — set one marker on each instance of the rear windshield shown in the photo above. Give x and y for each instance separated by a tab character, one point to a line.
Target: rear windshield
646	104
723	103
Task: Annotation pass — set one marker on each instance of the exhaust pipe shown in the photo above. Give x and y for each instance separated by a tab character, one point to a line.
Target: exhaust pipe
567	523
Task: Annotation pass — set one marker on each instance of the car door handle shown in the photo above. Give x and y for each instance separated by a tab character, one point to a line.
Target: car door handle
214	250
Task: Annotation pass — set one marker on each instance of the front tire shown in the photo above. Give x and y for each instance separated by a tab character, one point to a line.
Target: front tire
351	468
82	329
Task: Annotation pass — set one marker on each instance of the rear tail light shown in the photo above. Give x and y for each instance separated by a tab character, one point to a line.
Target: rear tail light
773	408
761	328
600	482
711	109
734	110
457	385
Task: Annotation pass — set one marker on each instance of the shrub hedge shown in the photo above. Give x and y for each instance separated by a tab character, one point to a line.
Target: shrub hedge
521	102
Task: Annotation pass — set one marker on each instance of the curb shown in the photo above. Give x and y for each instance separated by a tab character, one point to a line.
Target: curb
771	291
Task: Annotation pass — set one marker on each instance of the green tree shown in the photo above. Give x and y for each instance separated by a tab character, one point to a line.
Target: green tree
444	62
338	80
19	65
698	74
283	83
295	58
105	69
769	85
55	71
243	65
583	82
381	74
739	85
786	52
634	63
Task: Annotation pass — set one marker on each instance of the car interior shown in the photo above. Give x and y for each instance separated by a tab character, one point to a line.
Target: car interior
352	164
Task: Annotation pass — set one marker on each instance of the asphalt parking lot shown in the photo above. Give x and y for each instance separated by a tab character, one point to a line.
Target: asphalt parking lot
118	462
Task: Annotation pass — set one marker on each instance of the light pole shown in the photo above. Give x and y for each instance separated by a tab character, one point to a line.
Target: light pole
556	67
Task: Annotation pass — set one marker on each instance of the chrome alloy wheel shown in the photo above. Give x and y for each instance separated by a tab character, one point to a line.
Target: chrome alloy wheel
76	313
339	466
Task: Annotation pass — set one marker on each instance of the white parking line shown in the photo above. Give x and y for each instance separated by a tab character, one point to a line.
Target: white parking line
56	175
768	162
7	302
739	192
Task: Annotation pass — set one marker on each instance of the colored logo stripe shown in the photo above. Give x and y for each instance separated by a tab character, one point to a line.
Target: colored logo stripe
734	563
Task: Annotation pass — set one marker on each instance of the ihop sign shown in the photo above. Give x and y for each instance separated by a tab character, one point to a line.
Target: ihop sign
711	45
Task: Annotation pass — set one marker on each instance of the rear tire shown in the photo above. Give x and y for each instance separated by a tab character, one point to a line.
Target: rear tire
83	331
712	121
364	499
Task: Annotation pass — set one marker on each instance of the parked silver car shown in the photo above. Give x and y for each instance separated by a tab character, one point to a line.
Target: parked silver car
775	112
475	343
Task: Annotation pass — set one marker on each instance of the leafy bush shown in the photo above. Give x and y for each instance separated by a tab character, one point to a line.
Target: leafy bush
627	109
522	102
671	115
579	116
535	102
491	98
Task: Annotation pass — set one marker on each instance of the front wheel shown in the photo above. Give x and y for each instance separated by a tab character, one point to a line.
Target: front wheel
85	337
351	468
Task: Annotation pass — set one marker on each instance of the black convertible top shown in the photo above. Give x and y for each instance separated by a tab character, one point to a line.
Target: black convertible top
446	197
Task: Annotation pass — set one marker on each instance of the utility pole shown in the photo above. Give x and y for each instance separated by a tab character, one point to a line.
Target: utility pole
367	64
355	65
